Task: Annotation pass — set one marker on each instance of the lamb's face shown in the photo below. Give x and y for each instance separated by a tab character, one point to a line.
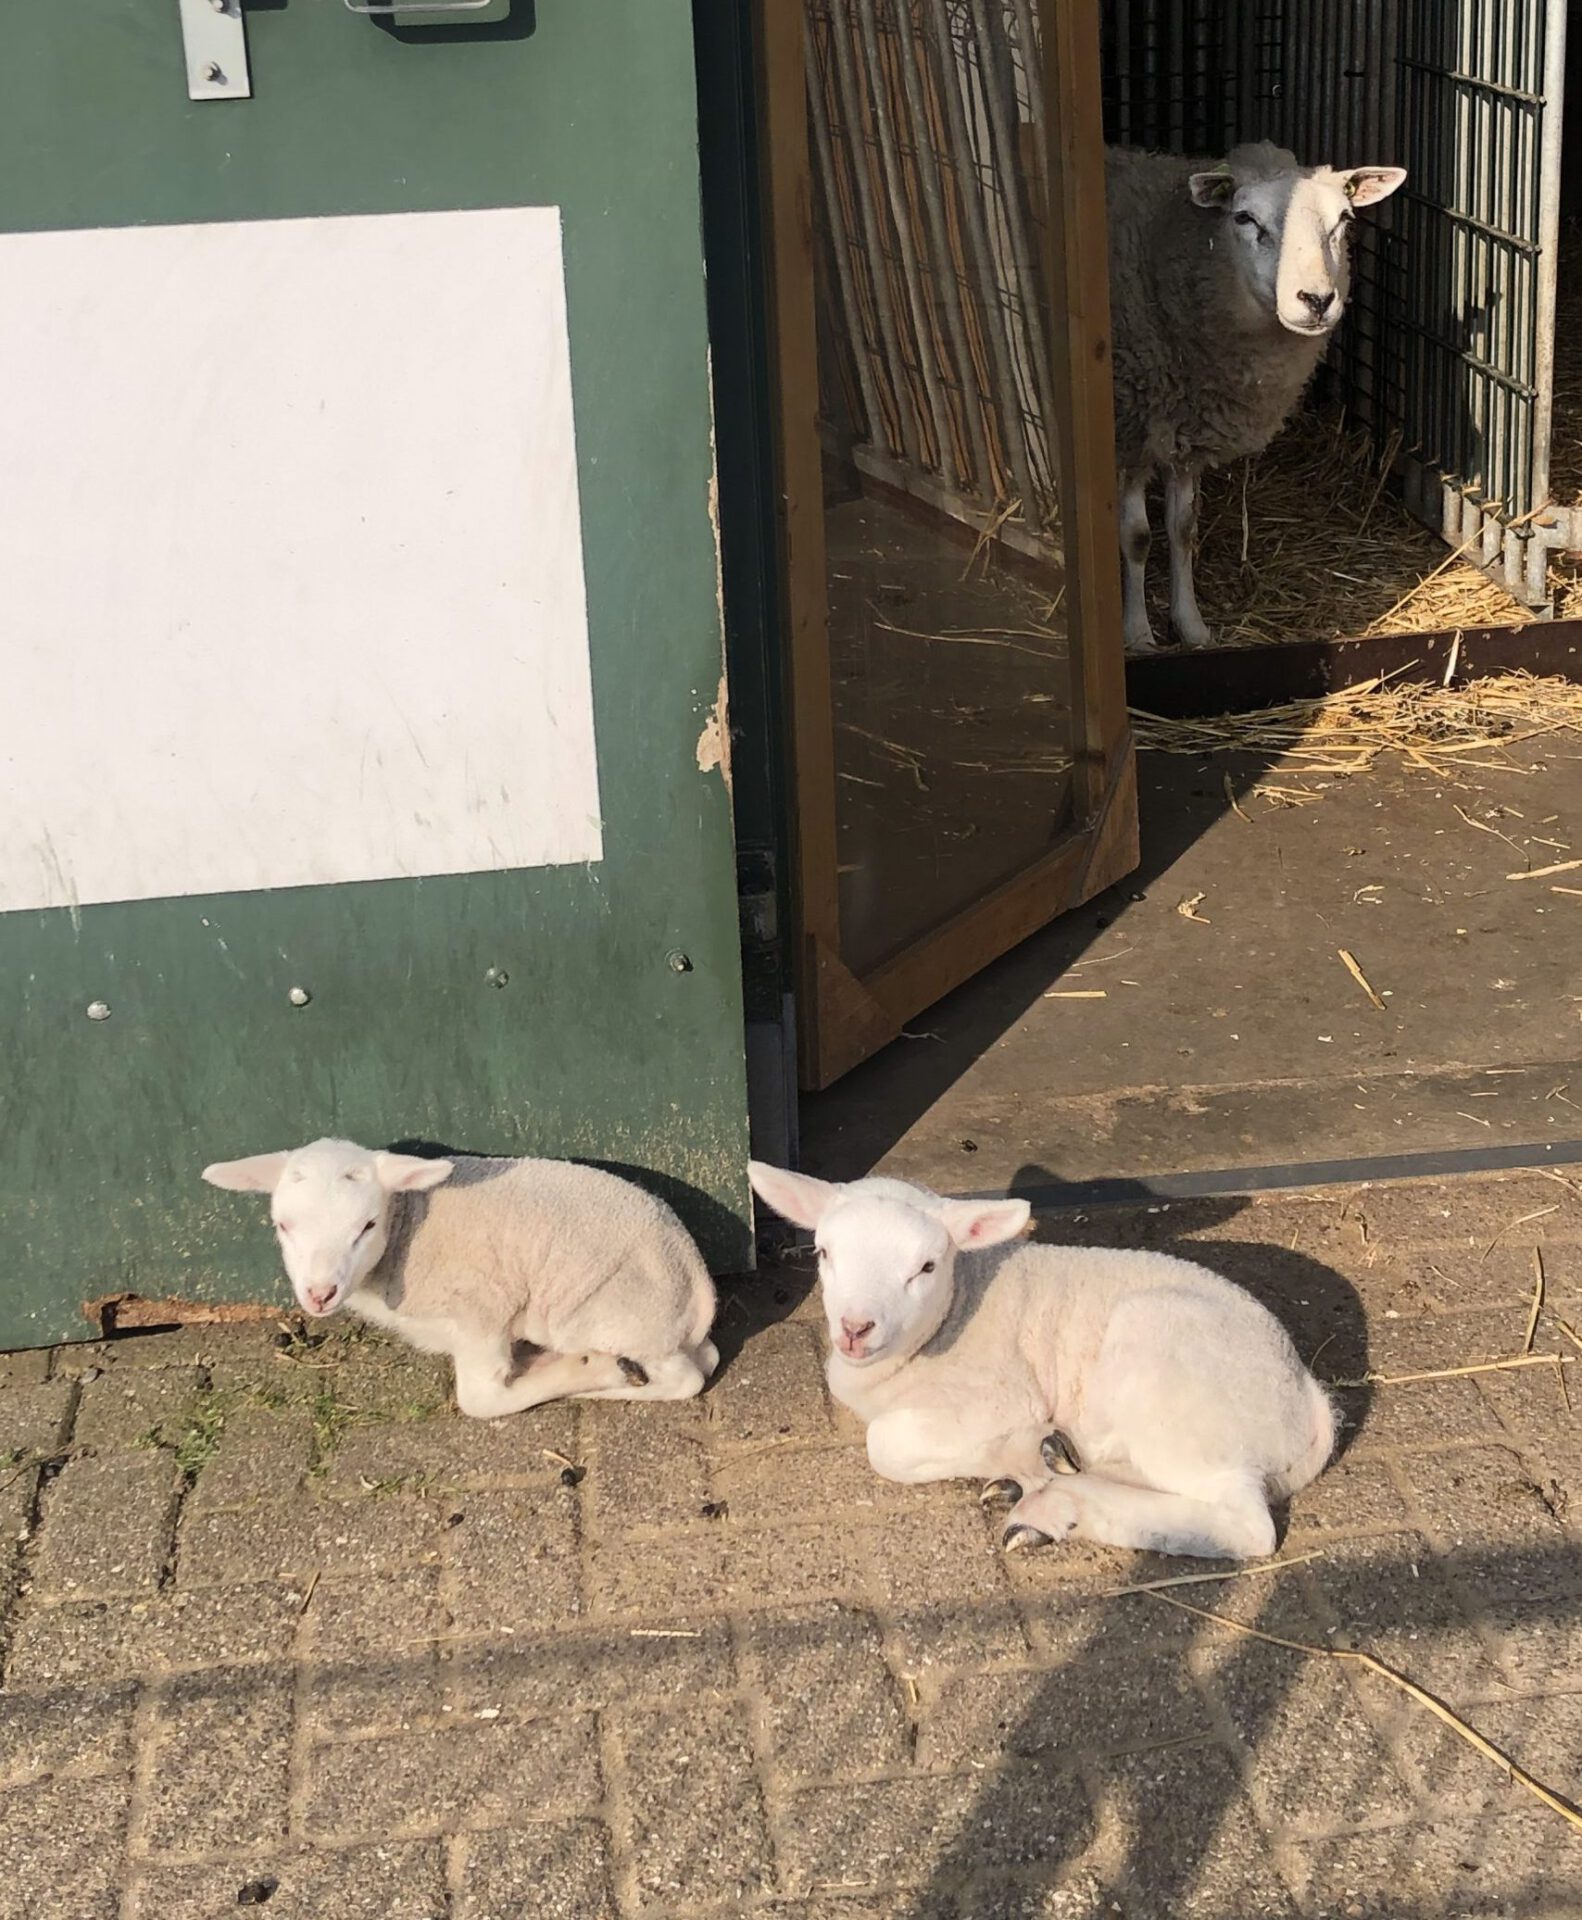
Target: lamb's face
1290	236
886	1253
885	1274
331	1210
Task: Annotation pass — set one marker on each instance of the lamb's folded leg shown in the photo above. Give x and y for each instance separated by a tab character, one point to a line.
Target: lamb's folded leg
1226	1521
1186	622
490	1385
914	1446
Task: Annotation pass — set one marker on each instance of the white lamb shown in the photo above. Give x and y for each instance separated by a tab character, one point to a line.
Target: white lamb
1124	1397
483	1258
1226	281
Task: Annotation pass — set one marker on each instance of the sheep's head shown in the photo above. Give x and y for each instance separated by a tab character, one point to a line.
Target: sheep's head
886	1254
1288	229
331	1208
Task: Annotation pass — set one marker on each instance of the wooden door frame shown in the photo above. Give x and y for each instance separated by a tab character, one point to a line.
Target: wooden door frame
843	1018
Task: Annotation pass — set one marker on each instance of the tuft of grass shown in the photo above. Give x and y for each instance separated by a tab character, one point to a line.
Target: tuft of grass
194	1438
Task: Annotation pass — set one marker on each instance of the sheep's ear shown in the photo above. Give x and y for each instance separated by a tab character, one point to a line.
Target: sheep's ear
976	1223
796	1197
260	1174
1367	186
1212	189
406	1173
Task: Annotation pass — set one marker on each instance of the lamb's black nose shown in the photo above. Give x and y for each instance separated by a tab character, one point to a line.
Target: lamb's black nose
1318	304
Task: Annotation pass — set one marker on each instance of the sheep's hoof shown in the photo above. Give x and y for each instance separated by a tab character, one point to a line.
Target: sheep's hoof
634	1374
1001	1492
1060	1454
1019	1537
1191	637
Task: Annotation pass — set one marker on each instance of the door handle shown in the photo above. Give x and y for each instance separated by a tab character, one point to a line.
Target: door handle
398	7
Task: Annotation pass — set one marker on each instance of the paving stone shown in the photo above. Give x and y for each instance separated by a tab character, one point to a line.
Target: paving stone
1422	1343
583	1668
1099	1697
1389	1596
1465	1867
774	1389
551	1872
647	1471
1530	1403
1466	1213
493	1773
61	1843
1543	1735
760	1489
1313	1758
449	1451
1538	1643
105	1525
64	1730
225	1343
1190	1847
717	1565
1351	1496
354	1883
1424	1413
367	1536
515	1561
34	1420
371	1653
1473	1278
217	1764
260	1454
1497	1523
941	1585
29	1368
138	1405
936	1829
829	1705
693	1826
104	1640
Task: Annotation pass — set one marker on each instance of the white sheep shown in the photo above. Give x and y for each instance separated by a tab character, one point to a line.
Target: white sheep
1226	281
1125	1397
482	1259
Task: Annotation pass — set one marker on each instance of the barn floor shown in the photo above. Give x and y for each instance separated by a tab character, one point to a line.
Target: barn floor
1237	1038
282	1630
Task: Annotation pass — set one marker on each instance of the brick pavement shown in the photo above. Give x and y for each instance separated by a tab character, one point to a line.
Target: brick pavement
282	1631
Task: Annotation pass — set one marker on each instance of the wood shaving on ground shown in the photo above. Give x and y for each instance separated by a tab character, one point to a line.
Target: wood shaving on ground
1349	962
1434	729
1188	909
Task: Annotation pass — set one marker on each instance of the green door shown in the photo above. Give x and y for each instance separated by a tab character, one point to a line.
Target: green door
361	747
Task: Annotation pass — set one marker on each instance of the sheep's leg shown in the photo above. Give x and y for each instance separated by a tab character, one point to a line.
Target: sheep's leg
1186	622
1227	1521
678	1376
914	1446
1135	542
489	1385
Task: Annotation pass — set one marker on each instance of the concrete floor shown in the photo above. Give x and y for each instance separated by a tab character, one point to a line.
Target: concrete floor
1239	1039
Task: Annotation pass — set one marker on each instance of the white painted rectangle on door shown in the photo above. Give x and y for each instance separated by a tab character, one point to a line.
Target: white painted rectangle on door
291	579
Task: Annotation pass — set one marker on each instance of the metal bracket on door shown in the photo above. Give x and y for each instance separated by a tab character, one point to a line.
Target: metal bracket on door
214	42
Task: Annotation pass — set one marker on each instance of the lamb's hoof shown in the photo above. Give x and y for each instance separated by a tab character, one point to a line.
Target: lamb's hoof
635	1375
1019	1538
1060	1453
1000	1493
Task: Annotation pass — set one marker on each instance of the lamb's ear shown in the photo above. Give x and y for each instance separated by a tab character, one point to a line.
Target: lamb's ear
260	1174
406	1173
984	1223
1367	186
1212	189
796	1197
